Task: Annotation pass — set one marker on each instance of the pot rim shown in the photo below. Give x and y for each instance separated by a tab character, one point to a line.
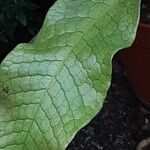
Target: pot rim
143	36
144	25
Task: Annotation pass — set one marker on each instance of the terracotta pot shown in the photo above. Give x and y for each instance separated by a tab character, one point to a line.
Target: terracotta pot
136	62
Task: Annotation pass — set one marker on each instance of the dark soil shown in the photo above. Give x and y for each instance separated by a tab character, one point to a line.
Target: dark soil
121	123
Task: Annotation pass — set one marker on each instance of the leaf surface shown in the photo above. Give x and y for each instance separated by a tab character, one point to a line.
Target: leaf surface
52	87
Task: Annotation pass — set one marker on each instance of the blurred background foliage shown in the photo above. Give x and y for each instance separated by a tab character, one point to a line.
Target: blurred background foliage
20	21
145	11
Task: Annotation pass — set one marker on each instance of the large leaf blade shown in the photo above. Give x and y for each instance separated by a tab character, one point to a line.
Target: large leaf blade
52	87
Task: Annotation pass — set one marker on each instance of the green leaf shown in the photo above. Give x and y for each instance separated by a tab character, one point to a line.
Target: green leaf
15	1
53	86
21	17
30	6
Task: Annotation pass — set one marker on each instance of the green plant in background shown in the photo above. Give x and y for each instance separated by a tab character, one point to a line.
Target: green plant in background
145	13
53	86
16	14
